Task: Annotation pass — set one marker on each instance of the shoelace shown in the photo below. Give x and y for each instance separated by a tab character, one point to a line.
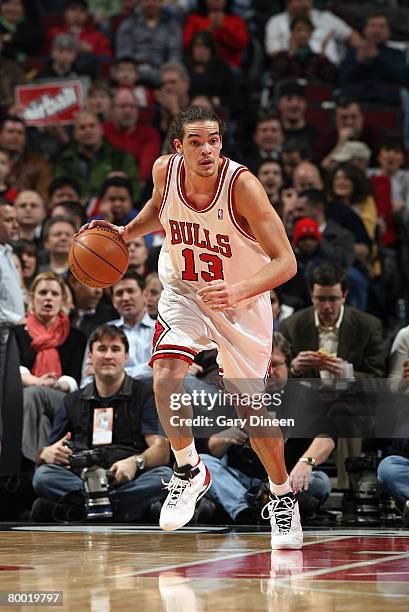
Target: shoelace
282	509
176	487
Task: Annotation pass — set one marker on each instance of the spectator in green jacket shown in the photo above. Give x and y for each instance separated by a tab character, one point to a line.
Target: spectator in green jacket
90	157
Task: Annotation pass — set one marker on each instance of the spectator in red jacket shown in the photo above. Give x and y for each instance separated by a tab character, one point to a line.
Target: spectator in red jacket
124	132
78	23
229	31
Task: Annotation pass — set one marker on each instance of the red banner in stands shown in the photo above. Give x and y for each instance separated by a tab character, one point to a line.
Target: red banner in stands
54	103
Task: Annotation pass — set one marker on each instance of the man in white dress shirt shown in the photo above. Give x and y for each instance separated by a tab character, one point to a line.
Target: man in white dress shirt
11	294
329	35
128	299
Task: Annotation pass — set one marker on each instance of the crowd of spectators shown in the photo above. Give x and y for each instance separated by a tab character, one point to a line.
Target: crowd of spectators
338	179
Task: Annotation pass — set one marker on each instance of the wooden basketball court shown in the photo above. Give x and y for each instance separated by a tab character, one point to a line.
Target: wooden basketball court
120	567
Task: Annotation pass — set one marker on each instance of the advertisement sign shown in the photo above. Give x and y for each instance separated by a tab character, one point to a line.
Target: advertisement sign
54	103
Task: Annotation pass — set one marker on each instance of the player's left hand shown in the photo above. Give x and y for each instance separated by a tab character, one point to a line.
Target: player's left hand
300	476
218	295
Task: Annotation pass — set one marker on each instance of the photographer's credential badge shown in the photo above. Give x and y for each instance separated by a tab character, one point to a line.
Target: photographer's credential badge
102	427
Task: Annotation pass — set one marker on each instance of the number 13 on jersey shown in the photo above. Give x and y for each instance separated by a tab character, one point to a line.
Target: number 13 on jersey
213	271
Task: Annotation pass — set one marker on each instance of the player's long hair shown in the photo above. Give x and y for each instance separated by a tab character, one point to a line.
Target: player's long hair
192	114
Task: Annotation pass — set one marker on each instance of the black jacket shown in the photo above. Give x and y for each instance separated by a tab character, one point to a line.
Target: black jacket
134	417
71	352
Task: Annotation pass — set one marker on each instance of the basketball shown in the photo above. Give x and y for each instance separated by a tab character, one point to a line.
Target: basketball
98	257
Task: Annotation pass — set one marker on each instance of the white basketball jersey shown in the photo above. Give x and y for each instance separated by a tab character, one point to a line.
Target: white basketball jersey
208	244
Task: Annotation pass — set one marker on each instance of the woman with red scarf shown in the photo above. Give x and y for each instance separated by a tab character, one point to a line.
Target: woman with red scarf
51	353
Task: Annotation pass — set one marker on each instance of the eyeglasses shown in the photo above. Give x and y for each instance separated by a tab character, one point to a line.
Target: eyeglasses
277	364
326	298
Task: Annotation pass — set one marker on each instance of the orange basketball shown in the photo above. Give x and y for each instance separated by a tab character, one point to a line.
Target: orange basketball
98	257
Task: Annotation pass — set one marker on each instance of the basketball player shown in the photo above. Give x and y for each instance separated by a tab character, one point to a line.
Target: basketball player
225	248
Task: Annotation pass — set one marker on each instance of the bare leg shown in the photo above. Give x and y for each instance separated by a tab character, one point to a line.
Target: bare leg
270	451
168	375
191	478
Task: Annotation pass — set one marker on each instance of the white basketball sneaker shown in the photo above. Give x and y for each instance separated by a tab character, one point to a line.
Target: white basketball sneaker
187	485
284	515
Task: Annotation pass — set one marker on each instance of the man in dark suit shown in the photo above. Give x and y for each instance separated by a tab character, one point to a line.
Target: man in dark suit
267	142
344	334
332	341
376	71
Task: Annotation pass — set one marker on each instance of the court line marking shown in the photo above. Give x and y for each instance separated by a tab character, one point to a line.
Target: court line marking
164	568
344	592
347	566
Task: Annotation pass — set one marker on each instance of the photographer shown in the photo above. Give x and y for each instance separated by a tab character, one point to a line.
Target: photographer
114	416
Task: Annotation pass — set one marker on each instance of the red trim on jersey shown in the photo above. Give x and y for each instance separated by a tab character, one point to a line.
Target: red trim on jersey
216	193
167	183
170	356
232	208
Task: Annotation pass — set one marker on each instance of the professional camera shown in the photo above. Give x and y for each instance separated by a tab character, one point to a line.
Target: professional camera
92	467
364	498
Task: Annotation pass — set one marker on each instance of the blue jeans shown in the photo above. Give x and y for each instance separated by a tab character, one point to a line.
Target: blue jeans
393	476
129	500
230	486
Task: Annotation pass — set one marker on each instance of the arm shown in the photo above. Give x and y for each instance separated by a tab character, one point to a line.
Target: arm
399	354
276	39
220	443
147	220
125	39
343	136
56	453
158	451
156	454
319	449
232	33
8	316
253	206
354	40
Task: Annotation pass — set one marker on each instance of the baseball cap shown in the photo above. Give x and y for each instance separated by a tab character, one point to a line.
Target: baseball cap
305	228
350	149
64	41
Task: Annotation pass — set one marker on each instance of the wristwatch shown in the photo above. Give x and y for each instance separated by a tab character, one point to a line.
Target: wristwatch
310	460
140	463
